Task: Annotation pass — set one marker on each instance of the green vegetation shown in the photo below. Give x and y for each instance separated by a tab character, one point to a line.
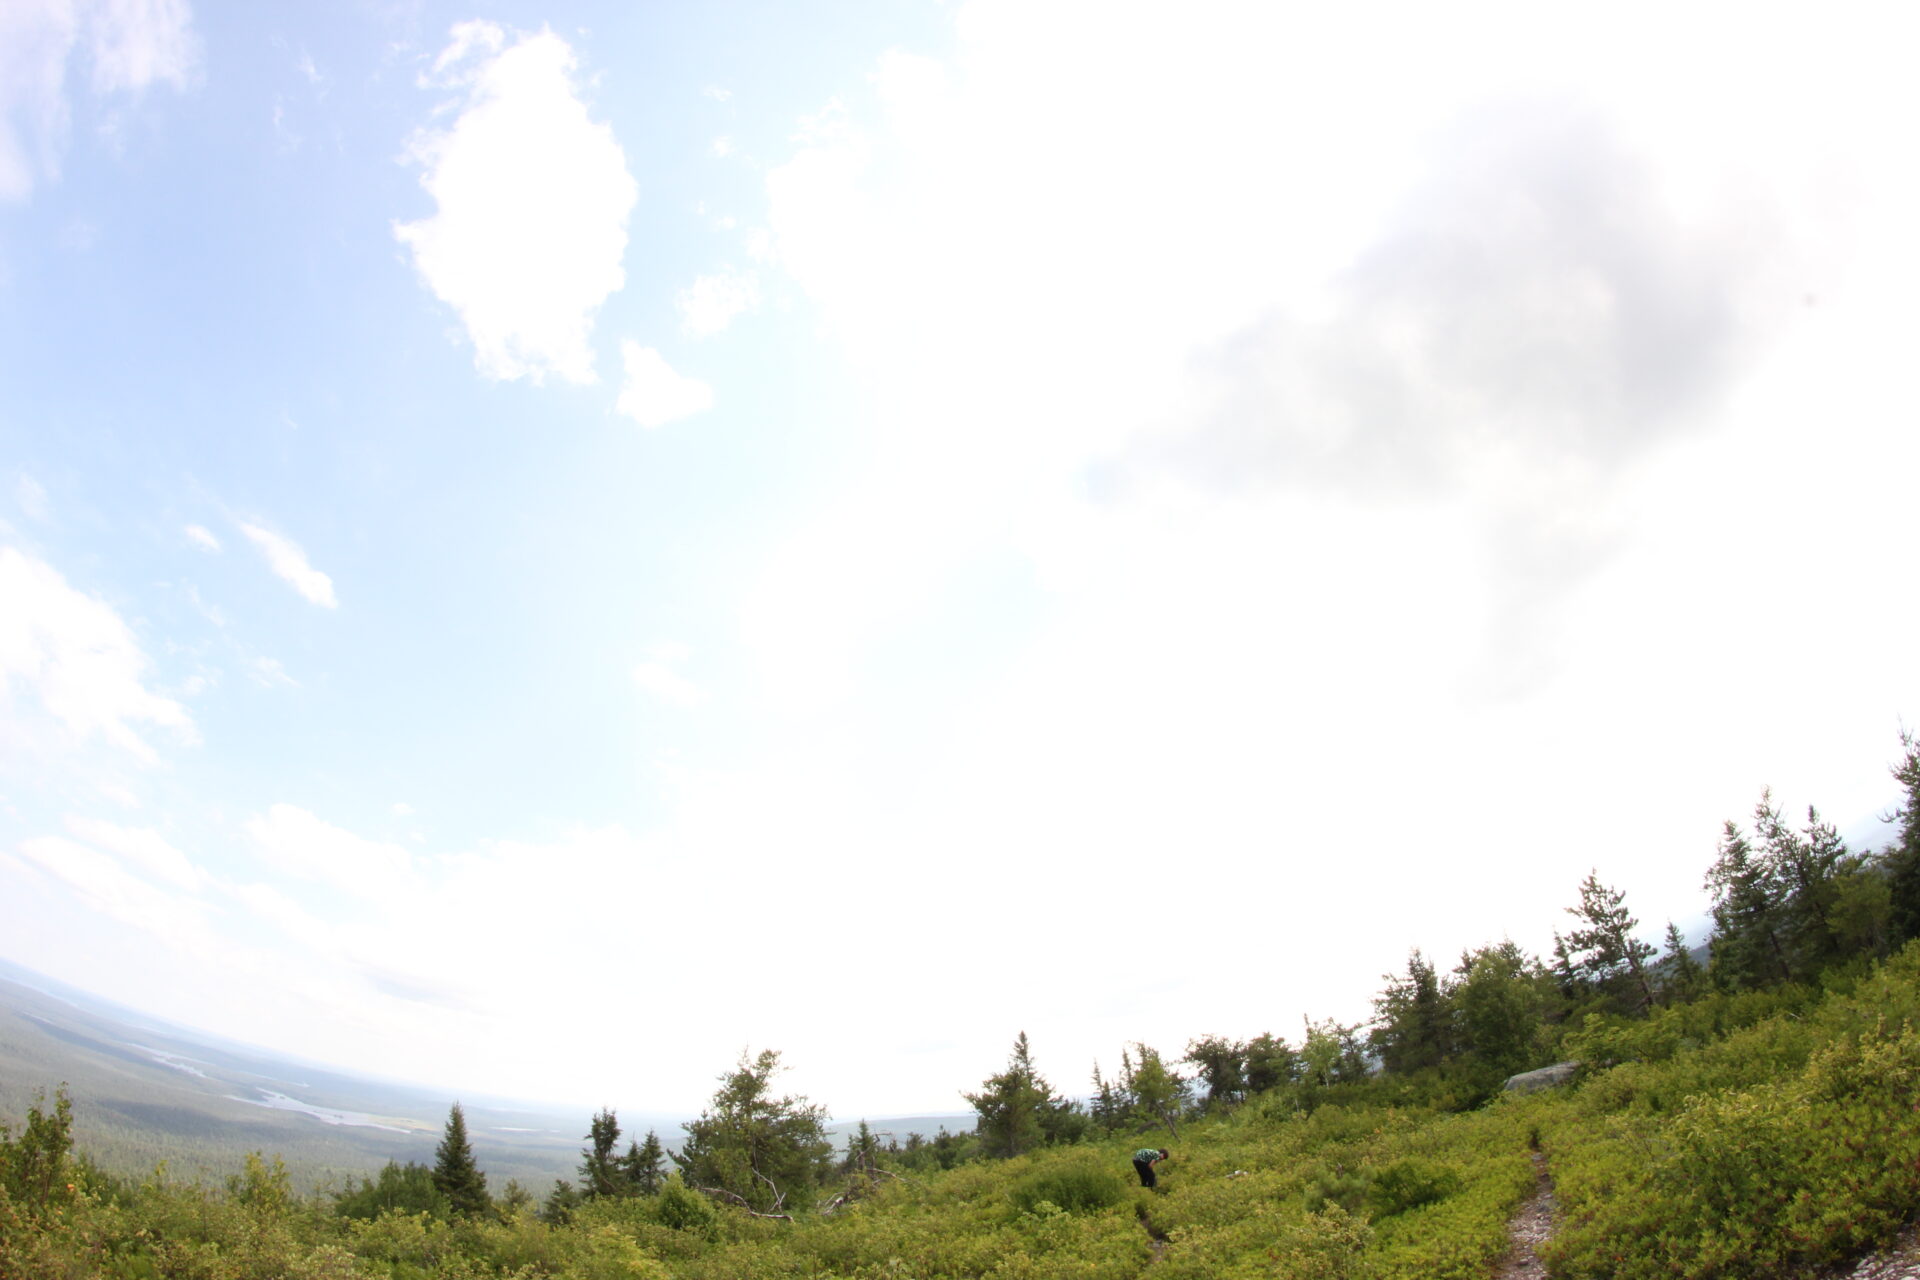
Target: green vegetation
1758	1116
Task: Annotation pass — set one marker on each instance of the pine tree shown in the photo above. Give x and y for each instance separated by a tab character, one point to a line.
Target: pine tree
599	1167
1605	943
1804	866
455	1175
1902	860
753	1147
1679	971
1747	948
1270	1062
1500	998
1412	1020
1222	1064
1014	1106
1159	1093
642	1166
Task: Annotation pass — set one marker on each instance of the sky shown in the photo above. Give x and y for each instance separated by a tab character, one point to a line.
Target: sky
544	545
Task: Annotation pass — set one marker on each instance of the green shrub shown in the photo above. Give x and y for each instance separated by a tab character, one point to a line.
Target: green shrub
682	1208
1409	1184
1072	1189
1337	1186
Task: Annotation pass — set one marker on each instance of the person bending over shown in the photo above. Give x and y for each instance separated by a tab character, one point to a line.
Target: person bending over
1143	1161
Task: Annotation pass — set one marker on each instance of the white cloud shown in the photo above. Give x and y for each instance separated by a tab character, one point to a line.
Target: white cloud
654	394
112	890
78	658
401	809
202	537
716	92
131	44
287	560
268	672
302	845
657	675
143	848
722	147
711	303
532	201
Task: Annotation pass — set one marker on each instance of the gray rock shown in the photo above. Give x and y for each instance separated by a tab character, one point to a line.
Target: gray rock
1544	1078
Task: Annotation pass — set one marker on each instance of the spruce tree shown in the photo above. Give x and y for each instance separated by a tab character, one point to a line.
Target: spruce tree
599	1167
1680	972
1010	1104
642	1165
1606	945
1902	860
455	1175
1270	1062
752	1147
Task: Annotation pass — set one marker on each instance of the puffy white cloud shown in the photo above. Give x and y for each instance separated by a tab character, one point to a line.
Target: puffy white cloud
78	660
202	537
302	845
532	201
287	560
131	45
711	303
654	394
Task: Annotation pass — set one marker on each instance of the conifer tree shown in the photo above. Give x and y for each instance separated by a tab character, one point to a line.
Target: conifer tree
455	1175
599	1168
643	1164
1500	998
1747	948
1680	972
1222	1067
1605	943
1412	1019
1014	1106
752	1147
1270	1062
1902	860
1159	1093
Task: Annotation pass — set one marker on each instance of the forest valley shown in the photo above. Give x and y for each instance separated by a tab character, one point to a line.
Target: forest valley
1758	1114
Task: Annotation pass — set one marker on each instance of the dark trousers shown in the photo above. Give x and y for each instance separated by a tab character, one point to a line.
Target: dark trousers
1145	1170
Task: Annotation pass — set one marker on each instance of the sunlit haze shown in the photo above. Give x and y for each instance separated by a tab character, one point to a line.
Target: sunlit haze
544	545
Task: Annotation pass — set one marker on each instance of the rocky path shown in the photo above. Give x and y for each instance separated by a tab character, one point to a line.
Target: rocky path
1532	1224
1899	1261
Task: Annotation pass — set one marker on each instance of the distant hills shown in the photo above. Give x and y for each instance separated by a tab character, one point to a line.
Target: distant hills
145	1090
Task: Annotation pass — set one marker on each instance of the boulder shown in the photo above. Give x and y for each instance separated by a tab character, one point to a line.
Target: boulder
1544	1078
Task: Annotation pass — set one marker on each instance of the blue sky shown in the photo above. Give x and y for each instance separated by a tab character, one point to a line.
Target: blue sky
829	528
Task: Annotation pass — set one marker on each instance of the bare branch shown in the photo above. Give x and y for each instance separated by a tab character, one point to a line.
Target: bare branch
724	1194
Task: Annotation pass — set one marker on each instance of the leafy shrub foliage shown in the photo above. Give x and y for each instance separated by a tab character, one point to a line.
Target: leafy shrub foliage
1074	1189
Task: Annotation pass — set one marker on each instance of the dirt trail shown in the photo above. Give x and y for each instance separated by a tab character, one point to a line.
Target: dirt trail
1532	1224
1899	1261
1156	1238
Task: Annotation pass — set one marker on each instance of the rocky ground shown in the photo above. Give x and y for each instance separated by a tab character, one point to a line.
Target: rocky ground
1533	1223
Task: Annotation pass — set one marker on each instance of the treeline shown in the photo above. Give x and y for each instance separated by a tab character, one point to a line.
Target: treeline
1791	906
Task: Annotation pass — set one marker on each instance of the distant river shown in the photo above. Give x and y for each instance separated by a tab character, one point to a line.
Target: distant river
355	1119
